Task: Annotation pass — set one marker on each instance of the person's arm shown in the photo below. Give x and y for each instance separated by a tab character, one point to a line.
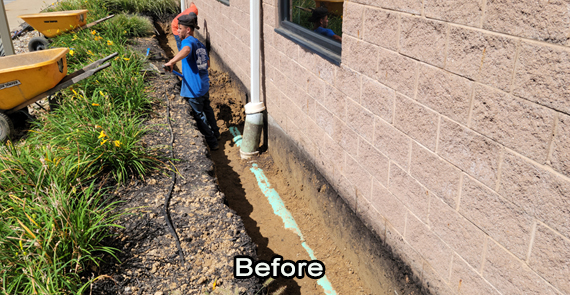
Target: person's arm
183	53
337	38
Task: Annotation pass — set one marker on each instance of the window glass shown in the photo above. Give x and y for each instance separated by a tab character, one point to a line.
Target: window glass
302	12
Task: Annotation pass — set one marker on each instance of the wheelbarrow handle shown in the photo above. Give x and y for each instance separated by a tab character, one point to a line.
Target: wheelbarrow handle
89	67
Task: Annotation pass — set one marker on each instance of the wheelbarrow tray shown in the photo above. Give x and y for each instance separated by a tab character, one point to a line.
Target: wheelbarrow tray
26	75
55	23
67	81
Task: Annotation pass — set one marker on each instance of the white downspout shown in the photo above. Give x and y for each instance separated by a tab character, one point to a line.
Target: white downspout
254	109
182	5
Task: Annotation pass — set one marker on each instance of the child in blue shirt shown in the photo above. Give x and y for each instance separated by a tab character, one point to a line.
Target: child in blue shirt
195	81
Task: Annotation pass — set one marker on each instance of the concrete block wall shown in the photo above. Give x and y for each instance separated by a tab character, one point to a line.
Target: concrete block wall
446	128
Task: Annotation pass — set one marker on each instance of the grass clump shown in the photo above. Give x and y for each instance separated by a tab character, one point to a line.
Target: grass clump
53	213
160	8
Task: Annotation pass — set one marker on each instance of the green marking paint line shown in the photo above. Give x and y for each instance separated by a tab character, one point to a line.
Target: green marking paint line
237	136
288	220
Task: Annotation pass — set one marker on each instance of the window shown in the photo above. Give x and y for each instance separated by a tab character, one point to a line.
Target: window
302	21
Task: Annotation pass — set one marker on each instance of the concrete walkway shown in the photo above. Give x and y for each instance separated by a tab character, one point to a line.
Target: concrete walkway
19	7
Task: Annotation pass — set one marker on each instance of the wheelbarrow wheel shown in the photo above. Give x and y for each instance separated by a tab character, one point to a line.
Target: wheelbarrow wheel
38	43
6	127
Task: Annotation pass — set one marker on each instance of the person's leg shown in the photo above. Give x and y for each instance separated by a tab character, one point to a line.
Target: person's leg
210	115
178	41
202	121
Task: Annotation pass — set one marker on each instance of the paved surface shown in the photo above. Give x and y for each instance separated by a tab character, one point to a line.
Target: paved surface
18	7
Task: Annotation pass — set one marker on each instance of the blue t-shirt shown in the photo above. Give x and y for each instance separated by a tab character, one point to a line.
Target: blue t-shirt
327	32
195	69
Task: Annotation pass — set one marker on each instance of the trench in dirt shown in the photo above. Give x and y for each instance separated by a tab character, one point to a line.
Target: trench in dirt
244	196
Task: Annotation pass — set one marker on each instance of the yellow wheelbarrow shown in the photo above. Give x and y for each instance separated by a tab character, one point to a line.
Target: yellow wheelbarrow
52	24
28	77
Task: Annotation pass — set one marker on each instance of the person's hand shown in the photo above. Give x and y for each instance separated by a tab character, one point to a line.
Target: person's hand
168	66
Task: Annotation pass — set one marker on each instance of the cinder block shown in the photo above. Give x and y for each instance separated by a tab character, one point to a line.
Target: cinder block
373	161
446	93
560	159
377	98
403	250
508	224
459	233
269	16
335	101
436	174
542	75
410	192
511	275
380	28
324	69
529	186
352	19
416	121
434	282
359	119
272	57
550	257
527	19
299	76
324	118
392	209
370	217
346	190
477	155
268	35
397	72
286	46
308	105
348	81
430	247
392	142
345	137
483	57
518	124
466	280
316	88
332	156
409	6
465	12
358	176
363	58
307	59
423	39
314	132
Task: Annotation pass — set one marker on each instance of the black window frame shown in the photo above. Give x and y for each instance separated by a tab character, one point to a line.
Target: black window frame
225	2
317	43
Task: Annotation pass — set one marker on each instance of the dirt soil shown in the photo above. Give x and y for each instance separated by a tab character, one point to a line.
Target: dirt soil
210	233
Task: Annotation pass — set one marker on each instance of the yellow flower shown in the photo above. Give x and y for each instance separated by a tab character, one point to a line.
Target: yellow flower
95	104
58	31
97	38
117	143
90	52
71	52
116	58
97	126
102	134
124	32
109	42
104	141
101	92
126	58
74	92
93	32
